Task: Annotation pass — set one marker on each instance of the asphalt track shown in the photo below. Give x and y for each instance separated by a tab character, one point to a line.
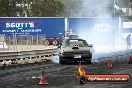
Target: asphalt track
60	76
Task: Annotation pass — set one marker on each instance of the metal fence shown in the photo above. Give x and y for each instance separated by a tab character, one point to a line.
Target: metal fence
22	42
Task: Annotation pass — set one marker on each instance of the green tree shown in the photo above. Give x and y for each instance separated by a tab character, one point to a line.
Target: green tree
47	8
7	8
39	8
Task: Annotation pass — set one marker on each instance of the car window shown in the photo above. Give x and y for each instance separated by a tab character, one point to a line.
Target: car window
73	36
81	43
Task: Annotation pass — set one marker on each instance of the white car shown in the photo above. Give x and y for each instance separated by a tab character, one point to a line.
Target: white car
75	50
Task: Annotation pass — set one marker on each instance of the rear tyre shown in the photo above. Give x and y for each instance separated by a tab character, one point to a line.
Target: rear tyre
61	62
89	62
54	42
46	42
82	80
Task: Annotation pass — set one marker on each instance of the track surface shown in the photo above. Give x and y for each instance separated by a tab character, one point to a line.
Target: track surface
59	76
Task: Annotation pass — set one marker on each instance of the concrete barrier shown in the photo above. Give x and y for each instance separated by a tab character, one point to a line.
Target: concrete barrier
25	57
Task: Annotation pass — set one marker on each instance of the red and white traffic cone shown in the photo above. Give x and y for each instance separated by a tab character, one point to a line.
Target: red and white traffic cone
42	79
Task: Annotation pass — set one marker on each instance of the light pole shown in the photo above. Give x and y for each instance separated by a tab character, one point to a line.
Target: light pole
113	24
128	8
114	8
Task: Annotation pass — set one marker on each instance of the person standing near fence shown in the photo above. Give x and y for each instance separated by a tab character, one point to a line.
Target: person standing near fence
128	41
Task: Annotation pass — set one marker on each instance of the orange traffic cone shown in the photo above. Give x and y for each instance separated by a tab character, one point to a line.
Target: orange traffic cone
130	60
109	64
42	79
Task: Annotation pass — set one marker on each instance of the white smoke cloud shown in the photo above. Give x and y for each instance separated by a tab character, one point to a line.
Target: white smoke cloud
96	8
105	39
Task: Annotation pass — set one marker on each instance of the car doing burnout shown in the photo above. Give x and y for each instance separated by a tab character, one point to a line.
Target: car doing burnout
75	50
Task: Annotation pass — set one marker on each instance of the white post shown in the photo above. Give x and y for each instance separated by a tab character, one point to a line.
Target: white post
30	42
27	43
14	41
21	43
37	41
113	26
9	43
3	42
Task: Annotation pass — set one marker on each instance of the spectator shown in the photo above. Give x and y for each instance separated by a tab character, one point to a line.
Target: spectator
128	41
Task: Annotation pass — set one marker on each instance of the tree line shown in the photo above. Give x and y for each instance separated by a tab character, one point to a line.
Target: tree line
31	8
61	8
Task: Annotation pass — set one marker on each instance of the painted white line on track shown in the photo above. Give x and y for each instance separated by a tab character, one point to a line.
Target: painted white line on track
111	86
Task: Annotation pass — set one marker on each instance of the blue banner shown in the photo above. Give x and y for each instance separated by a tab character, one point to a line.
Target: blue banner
51	27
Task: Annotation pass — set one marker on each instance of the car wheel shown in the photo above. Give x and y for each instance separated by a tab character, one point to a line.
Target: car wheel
54	42
46	42
61	62
89	62
82	80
